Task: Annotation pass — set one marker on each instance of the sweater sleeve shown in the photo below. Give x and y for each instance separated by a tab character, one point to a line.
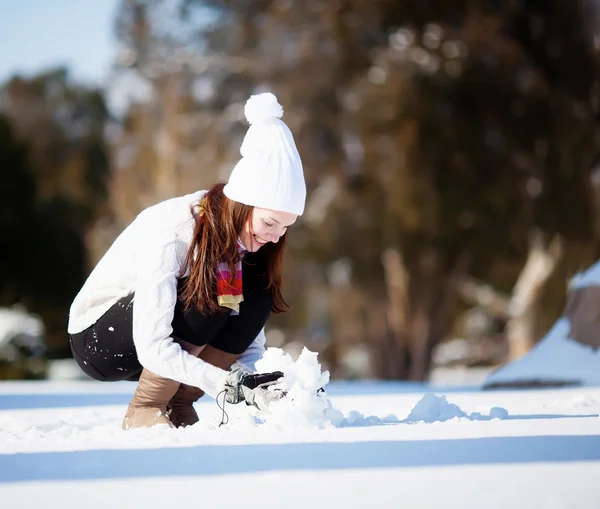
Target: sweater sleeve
153	310
253	353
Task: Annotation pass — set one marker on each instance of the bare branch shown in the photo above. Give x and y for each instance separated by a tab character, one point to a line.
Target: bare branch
485	296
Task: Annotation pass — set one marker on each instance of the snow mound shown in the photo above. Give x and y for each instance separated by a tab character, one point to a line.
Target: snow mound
498	413
305	406
432	408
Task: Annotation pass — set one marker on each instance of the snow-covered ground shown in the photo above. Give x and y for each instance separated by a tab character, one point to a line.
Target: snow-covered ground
383	445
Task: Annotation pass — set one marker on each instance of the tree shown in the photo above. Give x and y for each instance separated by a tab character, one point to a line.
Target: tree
436	138
17	198
55	172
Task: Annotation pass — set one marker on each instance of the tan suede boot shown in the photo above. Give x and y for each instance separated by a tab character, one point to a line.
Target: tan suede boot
148	406
180	409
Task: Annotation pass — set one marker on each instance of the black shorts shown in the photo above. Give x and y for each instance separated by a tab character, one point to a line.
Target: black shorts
105	351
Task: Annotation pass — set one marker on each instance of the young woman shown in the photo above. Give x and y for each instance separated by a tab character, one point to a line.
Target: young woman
185	291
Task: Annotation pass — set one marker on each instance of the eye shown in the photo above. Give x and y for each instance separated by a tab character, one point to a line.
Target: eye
268	224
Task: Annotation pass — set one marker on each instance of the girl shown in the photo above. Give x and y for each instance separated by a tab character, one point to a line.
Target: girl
185	291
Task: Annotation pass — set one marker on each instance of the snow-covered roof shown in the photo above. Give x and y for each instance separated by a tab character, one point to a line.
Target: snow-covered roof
556	359
589	277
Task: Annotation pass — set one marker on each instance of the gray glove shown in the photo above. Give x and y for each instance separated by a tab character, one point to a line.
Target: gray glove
252	388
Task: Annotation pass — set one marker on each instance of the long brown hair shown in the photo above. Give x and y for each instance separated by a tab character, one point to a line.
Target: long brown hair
215	240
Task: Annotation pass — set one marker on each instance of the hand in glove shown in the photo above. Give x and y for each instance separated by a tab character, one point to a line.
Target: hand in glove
252	388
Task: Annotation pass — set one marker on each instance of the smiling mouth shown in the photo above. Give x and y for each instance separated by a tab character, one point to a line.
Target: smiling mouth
260	241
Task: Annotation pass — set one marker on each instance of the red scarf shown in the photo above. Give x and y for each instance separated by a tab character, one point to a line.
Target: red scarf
229	295
229	291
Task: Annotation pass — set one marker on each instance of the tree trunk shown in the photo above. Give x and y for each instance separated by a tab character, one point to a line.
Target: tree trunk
541	263
419	309
394	351
167	142
520	309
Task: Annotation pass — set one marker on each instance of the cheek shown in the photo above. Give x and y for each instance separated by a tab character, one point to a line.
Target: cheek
262	233
258	228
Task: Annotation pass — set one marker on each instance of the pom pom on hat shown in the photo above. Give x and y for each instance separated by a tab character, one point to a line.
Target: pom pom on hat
269	175
262	107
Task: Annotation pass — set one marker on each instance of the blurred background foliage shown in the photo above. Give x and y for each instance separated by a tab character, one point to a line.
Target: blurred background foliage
450	152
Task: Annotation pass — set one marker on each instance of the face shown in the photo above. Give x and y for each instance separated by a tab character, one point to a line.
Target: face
265	226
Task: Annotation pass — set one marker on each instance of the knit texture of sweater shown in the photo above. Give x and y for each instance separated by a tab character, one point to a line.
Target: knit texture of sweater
147	259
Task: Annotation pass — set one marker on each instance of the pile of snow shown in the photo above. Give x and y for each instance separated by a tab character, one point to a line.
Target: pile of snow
556	359
305	405
432	408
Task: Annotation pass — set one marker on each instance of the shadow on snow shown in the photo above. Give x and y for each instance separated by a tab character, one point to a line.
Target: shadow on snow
230	459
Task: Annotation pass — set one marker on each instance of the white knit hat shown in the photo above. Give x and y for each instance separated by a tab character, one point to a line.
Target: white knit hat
269	175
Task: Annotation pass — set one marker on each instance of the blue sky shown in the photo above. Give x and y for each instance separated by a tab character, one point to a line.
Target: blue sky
38	34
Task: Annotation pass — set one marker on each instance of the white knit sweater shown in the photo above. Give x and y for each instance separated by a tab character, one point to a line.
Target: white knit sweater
148	258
